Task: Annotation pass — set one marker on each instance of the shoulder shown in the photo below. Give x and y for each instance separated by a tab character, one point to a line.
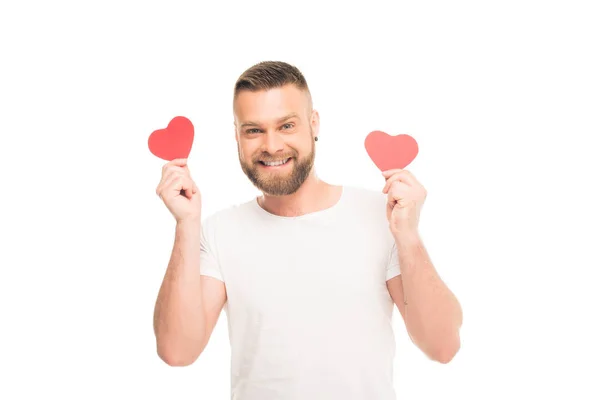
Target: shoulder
228	217
368	209
365	198
368	205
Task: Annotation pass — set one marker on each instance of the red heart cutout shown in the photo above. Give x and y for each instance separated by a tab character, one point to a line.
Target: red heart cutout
175	141
391	152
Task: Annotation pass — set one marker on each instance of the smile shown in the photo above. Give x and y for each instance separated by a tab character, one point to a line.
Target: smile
275	164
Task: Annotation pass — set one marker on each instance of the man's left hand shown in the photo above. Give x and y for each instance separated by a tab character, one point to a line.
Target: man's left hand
405	199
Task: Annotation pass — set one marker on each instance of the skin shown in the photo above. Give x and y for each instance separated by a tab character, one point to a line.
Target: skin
431	312
263	131
280	124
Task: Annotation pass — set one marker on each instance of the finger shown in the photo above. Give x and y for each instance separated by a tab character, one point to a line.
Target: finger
399	190
390	172
173	170
406	177
179	162
398	193
392	179
165	181
388	182
166	178
181	183
170	170
181	169
169	184
187	185
409	178
393	195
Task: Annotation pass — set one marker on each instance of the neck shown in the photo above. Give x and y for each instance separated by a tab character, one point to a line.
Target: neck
314	195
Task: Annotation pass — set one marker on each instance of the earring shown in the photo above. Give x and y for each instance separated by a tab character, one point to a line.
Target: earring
316	138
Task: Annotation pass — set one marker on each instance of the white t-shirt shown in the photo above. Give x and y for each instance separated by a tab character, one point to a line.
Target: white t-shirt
308	310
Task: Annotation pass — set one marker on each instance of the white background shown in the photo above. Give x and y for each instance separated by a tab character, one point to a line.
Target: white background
503	98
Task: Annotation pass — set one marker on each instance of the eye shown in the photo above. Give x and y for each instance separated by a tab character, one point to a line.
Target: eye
289	125
254	130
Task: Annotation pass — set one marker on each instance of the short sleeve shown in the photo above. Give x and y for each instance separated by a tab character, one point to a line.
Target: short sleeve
209	264
393	267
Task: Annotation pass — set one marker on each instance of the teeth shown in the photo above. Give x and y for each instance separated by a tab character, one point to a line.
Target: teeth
276	163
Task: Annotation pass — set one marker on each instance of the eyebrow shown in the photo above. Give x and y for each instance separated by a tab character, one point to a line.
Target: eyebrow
250	123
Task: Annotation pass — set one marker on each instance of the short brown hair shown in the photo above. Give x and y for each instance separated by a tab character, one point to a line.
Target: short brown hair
269	75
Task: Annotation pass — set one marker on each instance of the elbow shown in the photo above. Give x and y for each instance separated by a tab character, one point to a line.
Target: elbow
444	356
439	348
177	357
176	361
446	352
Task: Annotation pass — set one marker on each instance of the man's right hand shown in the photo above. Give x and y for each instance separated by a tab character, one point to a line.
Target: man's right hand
179	192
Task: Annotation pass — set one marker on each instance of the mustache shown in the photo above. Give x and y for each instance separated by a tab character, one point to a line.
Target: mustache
272	159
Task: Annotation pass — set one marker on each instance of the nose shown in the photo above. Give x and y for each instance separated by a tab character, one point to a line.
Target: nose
273	142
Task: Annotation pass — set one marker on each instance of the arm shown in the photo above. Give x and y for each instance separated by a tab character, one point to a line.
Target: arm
188	304
432	314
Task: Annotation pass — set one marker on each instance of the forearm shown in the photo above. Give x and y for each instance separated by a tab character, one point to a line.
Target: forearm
433	314
179	320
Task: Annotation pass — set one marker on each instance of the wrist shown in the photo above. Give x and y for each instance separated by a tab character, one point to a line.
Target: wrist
407	237
188	223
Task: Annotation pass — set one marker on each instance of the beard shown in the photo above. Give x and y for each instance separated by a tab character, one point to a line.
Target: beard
276	183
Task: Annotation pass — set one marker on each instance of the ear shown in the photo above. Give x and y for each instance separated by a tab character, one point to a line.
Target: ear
315	122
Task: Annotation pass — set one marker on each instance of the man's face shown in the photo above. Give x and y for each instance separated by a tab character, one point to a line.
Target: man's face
274	131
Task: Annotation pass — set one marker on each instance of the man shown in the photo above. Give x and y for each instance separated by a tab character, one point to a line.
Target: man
309	271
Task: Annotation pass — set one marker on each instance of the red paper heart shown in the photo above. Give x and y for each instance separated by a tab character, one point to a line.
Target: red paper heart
175	141
391	152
